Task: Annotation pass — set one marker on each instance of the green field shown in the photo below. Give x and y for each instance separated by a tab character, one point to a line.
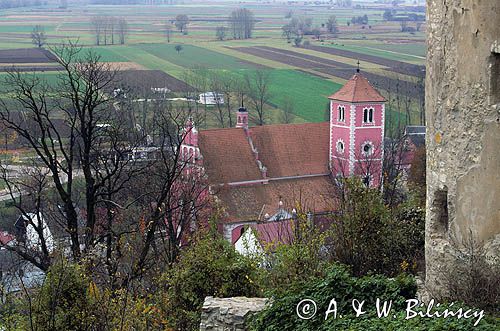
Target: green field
146	46
192	56
308	94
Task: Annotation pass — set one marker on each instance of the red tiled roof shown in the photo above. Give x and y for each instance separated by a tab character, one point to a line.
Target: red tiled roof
357	89
227	156
248	202
293	149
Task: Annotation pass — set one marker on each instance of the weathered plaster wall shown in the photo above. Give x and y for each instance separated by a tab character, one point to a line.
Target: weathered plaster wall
463	129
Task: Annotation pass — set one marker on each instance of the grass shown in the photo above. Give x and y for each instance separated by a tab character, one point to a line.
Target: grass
308	94
377	51
193	56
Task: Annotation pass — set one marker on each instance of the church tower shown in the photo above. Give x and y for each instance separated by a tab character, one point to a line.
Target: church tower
190	151
357	131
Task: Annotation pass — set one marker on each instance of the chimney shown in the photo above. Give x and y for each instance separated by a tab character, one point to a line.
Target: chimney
191	133
242	118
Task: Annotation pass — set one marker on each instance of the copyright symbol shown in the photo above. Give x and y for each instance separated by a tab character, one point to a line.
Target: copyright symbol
306	309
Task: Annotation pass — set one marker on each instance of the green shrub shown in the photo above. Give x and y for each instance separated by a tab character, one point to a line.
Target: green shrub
210	267
62	302
342	286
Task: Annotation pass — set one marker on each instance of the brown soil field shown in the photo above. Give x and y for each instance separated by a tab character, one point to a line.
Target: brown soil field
142	81
393	65
26	55
332	68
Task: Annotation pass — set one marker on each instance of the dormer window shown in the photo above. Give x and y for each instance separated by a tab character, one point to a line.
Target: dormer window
368	115
341	114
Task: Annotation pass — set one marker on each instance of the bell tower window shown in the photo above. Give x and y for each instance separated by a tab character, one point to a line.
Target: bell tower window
341	114
368	115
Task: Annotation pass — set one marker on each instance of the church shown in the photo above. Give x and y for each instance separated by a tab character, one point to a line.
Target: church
260	174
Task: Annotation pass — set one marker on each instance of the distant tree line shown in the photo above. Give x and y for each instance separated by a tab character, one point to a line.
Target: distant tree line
391	15
21	3
360	19
109	30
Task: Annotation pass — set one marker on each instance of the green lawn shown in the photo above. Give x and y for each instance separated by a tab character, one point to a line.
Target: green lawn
308	94
192	56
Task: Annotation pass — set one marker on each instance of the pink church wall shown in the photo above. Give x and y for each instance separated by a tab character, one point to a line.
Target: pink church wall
334	113
363	133
340	130
377	115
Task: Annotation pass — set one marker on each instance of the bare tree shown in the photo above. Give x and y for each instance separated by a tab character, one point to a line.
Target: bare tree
220	32
287	111
111	26
97	178
38	36
258	88
181	22
241	23
168	31
331	25
287	32
98	28
404	25
122	30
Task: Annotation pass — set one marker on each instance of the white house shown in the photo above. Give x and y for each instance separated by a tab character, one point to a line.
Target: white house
211	98
24	226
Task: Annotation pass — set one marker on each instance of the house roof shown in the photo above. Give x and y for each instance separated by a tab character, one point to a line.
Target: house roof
227	156
251	202
271	233
357	89
293	149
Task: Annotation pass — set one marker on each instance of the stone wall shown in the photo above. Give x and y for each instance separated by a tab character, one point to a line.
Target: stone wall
463	130
229	314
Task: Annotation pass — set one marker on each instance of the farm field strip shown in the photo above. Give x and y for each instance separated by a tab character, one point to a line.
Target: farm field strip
309	94
397	66
194	56
333	68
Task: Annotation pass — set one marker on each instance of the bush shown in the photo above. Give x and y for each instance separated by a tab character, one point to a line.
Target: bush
293	265
342	286
375	239
62	302
474	277
210	267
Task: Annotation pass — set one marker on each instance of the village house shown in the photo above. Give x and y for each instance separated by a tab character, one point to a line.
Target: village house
260	174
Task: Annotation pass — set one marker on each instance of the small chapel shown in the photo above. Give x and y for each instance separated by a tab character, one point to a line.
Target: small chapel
261	174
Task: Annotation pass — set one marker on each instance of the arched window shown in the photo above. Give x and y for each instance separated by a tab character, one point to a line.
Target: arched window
340	146
368	115
341	114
